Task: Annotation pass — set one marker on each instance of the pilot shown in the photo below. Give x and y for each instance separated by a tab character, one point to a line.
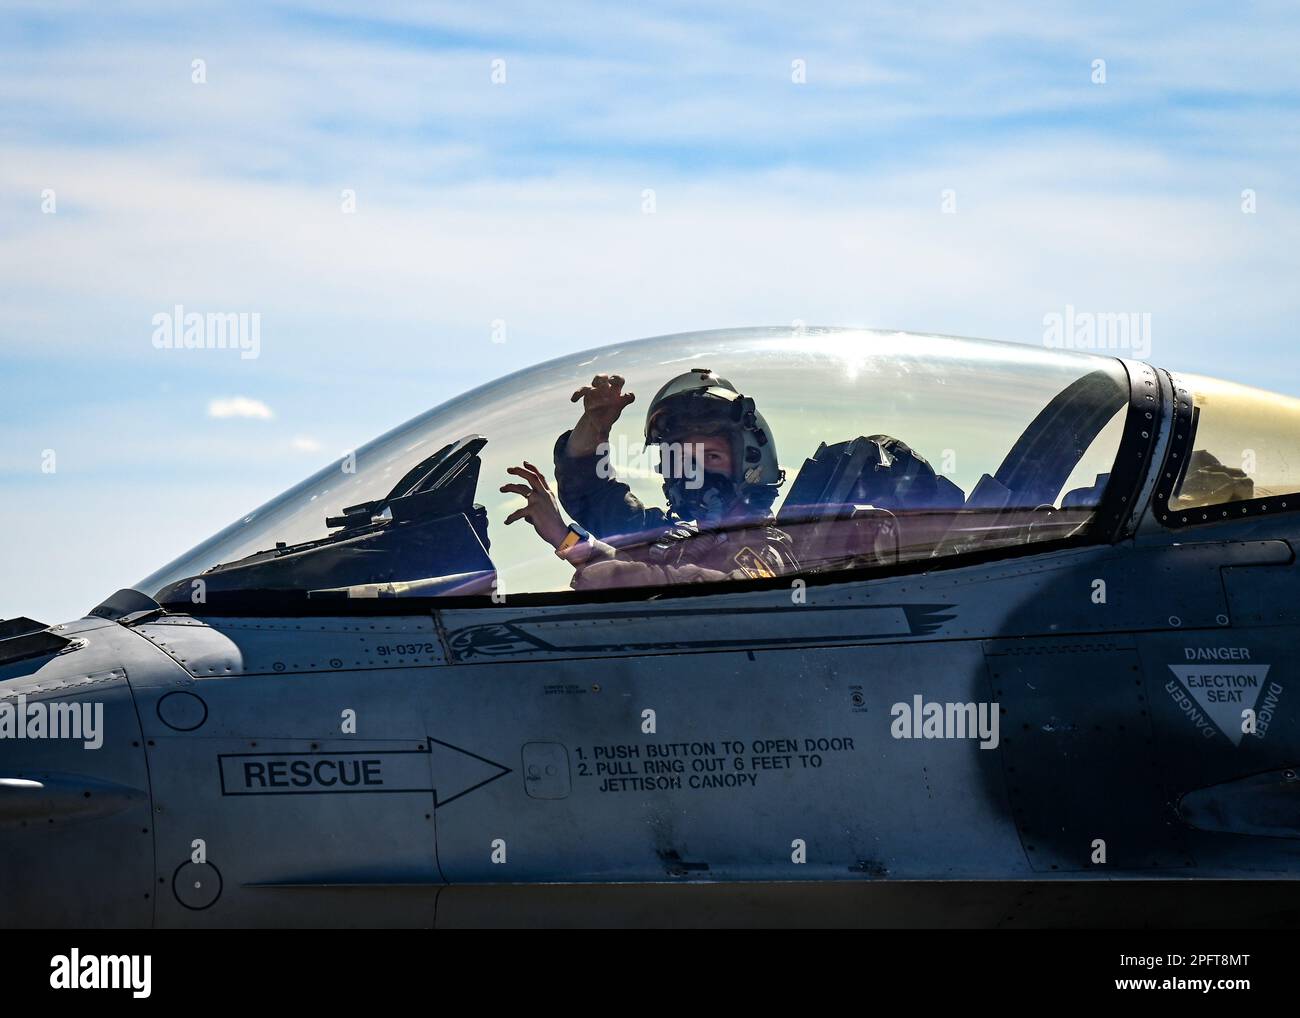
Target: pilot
721	477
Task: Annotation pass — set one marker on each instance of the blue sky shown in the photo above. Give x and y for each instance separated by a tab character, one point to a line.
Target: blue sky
521	202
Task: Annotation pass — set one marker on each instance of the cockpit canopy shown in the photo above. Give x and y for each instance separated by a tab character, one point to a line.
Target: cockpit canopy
895	447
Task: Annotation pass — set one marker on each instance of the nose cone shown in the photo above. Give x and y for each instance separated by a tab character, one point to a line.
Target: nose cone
76	841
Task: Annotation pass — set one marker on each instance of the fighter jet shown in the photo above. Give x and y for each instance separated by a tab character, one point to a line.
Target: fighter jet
1031	648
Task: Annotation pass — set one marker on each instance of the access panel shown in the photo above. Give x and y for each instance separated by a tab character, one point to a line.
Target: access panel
733	765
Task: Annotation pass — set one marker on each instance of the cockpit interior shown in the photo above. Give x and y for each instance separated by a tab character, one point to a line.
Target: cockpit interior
896	449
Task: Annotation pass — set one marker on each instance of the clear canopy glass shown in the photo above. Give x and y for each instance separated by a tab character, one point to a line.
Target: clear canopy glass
962	405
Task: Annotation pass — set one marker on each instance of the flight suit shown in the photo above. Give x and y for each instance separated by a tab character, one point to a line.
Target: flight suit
639	546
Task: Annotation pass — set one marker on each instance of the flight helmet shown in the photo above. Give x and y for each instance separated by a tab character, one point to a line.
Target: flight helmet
698	402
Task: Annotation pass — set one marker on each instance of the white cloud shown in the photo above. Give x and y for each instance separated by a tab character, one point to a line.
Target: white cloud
239	406
304	443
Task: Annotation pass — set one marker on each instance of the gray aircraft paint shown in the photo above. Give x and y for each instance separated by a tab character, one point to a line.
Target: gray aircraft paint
514	732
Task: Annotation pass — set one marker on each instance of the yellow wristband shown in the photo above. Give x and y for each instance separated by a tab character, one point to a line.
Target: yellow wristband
570	539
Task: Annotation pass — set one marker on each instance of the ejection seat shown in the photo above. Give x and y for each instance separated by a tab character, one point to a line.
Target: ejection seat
871	501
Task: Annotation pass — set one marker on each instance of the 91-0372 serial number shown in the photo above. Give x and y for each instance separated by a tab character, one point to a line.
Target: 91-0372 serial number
404	649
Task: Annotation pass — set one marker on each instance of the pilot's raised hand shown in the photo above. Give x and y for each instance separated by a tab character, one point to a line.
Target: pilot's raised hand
602	403
542	510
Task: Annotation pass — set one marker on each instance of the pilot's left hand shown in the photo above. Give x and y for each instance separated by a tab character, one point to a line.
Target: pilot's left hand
543	509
